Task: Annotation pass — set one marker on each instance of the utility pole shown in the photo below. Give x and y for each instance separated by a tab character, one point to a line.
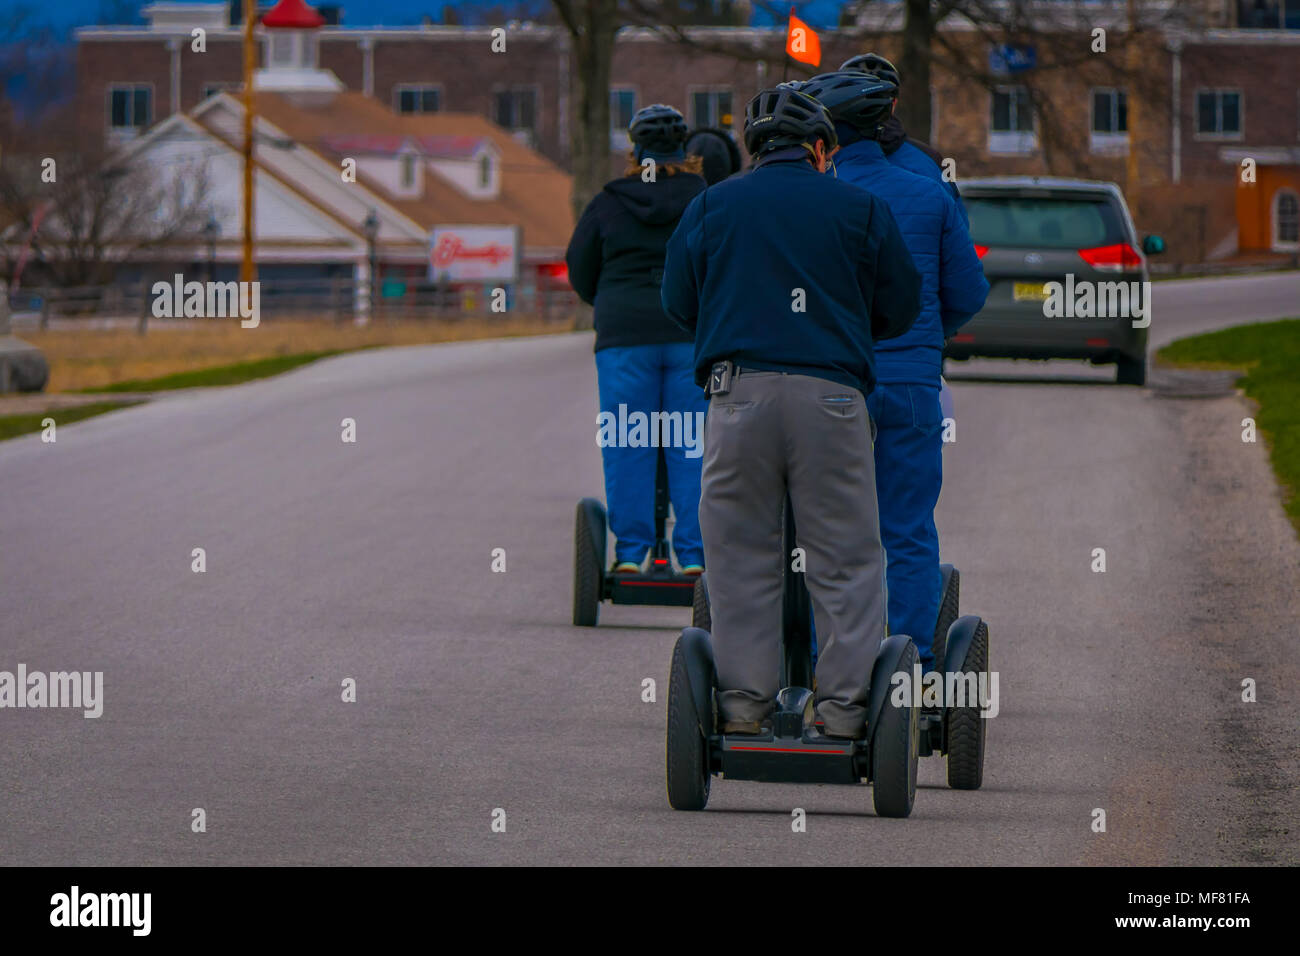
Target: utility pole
247	270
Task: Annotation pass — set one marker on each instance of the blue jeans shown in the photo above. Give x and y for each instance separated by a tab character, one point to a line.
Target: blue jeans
647	379
909	476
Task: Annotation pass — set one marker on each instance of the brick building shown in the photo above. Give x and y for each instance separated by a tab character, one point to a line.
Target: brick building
1220	82
352	198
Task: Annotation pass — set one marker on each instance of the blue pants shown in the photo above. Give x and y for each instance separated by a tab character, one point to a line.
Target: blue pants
646	379
909	476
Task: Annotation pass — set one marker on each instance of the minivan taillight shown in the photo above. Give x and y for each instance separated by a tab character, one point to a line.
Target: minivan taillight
1117	258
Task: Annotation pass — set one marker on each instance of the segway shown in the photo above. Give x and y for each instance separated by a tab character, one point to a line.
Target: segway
793	751
594	583
961	648
951	731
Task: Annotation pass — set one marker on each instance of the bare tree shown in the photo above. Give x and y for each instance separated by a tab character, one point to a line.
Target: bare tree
948	37
592	26
77	211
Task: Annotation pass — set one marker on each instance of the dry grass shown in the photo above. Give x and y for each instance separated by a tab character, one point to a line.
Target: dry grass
93	358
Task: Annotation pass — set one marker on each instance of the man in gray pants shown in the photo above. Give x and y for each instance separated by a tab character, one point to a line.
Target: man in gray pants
785	276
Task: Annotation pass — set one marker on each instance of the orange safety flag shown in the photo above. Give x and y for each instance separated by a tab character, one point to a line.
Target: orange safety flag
801	42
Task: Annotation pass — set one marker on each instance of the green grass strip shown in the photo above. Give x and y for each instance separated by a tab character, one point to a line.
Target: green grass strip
217	375
11	426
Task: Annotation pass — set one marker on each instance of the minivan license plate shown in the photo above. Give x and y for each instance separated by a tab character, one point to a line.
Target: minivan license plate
1030	292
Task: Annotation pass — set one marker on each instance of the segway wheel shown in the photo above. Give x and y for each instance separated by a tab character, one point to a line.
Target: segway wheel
701	615
686	750
894	751
966	727
587	570
949	611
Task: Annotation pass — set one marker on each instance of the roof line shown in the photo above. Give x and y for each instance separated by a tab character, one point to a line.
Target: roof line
379	200
258	164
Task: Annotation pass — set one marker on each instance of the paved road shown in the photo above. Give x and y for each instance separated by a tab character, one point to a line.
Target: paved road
1188	306
372	561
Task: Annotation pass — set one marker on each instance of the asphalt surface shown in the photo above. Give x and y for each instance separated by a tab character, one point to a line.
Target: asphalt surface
373	561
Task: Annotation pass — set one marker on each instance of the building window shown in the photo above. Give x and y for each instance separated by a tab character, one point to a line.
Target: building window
1109	111
1268	14
130	108
1109	130
408	171
484	172
622	107
516	110
1013	111
1286	220
418	99
711	108
1011	124
280	51
1218	113
290	49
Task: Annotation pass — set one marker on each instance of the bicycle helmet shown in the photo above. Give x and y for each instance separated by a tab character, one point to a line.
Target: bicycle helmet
873	63
658	128
786	116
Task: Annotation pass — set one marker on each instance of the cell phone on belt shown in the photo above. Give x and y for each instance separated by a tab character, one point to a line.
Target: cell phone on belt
720	378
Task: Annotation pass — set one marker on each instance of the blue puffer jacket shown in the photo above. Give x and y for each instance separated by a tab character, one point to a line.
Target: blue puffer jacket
953	287
917	157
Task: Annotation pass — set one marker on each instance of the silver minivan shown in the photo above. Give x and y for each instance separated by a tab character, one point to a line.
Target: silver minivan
1067	275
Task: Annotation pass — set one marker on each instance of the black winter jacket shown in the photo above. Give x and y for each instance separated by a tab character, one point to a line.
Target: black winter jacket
616	257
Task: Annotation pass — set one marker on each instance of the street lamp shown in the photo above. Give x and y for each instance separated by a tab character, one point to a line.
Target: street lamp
371	228
212	229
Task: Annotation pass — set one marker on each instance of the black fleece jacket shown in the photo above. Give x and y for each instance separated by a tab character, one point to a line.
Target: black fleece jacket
616	257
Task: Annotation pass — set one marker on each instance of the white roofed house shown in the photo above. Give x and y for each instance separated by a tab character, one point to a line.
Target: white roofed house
341	180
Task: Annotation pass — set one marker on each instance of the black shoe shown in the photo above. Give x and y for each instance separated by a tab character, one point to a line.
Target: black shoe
748	728
818	733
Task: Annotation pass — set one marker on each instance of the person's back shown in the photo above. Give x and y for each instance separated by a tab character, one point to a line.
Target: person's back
617	253
906	405
953	287
643	359
784	274
902	150
784	226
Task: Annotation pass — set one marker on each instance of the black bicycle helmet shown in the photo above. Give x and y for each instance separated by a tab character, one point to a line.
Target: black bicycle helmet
862	100
873	63
786	116
717	150
657	127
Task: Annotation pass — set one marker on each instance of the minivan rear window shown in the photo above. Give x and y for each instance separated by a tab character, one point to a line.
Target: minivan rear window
1043	223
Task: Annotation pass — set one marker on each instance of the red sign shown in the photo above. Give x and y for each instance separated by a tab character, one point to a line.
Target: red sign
473	253
452	249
